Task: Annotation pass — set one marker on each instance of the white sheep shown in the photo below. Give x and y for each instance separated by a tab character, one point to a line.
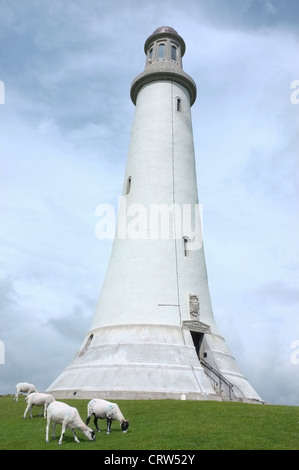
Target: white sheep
38	399
105	409
24	387
69	417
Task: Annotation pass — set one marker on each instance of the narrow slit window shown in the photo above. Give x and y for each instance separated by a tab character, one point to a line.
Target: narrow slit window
186	246
161	51
178	104
87	344
128	187
88	341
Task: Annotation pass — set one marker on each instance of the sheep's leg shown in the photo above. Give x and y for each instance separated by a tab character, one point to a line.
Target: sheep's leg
62	434
75	437
53	430
88	419
26	412
30	411
96	424
47	429
109	421
45	410
41	411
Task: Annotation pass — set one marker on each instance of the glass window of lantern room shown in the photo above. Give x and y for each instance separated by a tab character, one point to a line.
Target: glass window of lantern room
161	51
173	53
150	54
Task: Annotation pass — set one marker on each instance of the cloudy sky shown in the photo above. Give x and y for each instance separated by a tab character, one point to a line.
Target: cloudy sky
67	67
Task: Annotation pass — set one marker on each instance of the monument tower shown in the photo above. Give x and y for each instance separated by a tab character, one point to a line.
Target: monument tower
153	334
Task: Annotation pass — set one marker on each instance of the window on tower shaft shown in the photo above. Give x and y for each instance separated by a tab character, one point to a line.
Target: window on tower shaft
178	104
186	246
161	51
87	344
128	187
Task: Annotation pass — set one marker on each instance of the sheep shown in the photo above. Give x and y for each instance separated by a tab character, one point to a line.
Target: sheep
38	399
104	409
69	417
24	388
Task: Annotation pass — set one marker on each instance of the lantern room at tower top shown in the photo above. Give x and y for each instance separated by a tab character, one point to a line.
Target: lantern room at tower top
165	43
164	50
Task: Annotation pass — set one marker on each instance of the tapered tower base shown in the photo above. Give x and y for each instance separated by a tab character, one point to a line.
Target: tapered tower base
146	362
135	361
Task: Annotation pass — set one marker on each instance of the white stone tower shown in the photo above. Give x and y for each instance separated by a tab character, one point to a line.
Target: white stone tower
153	334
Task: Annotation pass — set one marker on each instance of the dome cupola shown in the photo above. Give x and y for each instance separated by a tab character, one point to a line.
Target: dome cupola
164	50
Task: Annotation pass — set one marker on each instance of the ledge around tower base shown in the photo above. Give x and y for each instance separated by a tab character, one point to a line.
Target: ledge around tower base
131	395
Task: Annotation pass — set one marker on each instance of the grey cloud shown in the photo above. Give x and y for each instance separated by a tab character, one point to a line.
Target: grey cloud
277	292
252	14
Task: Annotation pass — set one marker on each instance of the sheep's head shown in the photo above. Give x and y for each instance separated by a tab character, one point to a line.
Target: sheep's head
124	426
90	434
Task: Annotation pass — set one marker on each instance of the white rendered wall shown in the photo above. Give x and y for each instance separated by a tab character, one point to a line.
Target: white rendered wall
149	280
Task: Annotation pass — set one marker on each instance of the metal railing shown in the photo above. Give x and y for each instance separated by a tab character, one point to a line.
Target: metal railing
219	376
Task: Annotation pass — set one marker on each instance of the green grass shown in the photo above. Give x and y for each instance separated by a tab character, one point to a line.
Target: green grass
161	425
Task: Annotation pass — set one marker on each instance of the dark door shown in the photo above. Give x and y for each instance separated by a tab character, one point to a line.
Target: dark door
197	340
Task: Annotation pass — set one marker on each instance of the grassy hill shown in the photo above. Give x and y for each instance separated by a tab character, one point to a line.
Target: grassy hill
161	425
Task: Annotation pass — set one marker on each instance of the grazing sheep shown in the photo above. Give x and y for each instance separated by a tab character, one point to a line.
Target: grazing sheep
69	417
38	399
24	387
104	409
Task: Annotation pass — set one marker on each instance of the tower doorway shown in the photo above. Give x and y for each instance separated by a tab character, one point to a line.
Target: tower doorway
197	341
